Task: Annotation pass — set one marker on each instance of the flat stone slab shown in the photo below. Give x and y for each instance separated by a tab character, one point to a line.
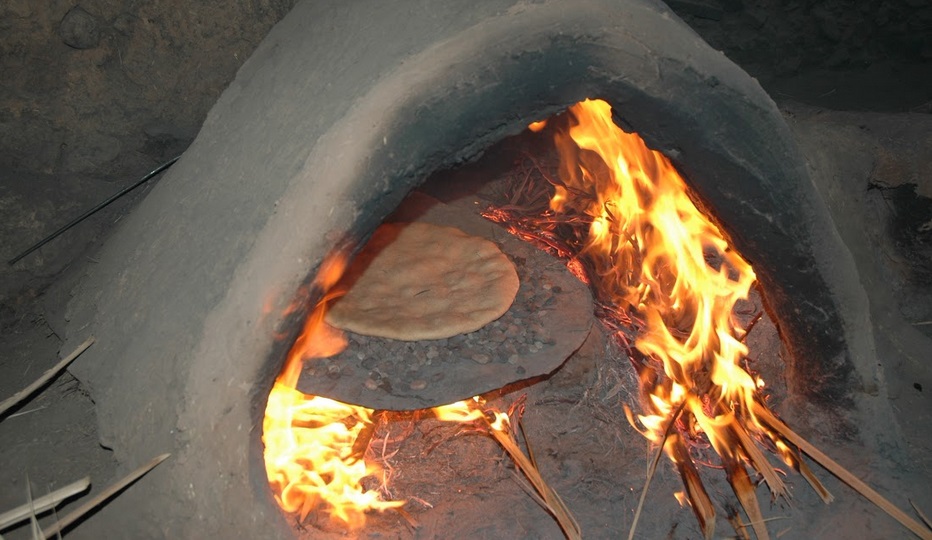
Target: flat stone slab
549	319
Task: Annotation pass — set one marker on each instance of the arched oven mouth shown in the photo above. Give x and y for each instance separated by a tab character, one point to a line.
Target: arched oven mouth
321	137
401	391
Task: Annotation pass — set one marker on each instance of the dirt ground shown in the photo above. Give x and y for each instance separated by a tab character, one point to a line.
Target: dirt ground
583	444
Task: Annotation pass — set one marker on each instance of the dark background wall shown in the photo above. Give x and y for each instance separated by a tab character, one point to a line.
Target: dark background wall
94	94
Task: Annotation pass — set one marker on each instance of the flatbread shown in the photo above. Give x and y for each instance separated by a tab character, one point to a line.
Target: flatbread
418	281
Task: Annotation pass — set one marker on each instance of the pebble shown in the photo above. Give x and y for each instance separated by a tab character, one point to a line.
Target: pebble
515	337
481	358
497	336
79	29
333	371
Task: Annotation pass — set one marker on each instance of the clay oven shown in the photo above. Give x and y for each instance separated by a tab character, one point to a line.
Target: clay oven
337	115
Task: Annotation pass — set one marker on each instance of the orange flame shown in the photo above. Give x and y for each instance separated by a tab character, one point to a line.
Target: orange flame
461	411
652	250
309	440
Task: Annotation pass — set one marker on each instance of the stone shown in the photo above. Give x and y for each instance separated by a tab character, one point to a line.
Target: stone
79	29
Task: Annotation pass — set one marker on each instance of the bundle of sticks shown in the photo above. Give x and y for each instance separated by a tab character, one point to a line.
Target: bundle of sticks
521	204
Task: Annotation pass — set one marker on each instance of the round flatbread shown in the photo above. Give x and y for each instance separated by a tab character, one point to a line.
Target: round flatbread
417	281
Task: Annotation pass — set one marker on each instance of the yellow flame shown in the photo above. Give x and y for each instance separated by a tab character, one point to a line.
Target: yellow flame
471	410
461	411
309	440
652	250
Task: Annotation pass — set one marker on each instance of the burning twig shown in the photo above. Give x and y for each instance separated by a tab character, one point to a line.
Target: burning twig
759	462
498	425
750	326
103	496
740	528
653	465
695	492
554	504
745	491
843	474
46	377
364	439
797	462
667	282
409	519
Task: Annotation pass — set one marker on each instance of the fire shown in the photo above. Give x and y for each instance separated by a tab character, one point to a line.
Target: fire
461	411
310	454
652	250
656	262
472	410
650	257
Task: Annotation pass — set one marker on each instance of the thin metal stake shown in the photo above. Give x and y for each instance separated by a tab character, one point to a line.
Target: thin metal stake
94	210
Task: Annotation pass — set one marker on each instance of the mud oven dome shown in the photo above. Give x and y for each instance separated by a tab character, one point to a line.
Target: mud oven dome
343	109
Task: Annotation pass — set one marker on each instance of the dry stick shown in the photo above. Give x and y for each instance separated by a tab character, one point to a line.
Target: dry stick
527	444
43	503
412	522
653	467
33	521
814	482
46	377
555	504
104	496
923	516
843	474
740	528
759	462
745	491
698	498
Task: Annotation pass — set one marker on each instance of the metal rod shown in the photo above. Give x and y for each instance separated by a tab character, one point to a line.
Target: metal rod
94	210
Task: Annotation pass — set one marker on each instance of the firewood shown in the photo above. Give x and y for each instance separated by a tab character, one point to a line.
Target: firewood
741	530
554	504
843	474
921	515
745	491
698	498
46	377
103	496
43	503
760	462
814	482
364	438
653	464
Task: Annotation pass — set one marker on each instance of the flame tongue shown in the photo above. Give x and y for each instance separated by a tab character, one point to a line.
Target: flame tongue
310	441
651	249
